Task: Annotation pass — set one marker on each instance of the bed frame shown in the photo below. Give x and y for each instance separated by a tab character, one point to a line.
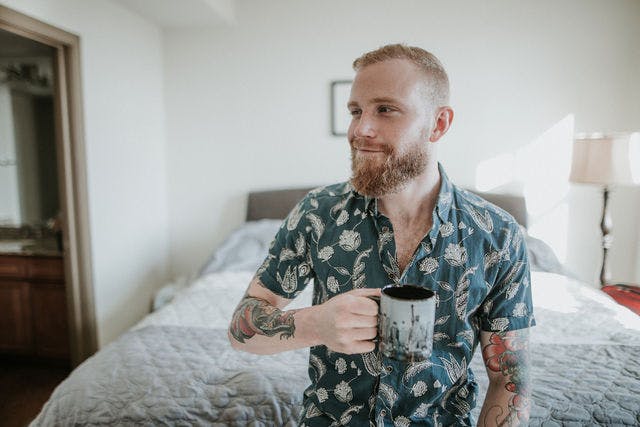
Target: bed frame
276	204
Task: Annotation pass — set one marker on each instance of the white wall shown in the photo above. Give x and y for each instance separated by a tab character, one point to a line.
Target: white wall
248	105
122	76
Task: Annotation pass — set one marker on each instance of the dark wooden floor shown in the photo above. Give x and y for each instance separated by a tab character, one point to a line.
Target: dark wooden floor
24	387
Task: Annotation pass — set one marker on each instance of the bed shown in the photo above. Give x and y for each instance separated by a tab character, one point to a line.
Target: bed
176	367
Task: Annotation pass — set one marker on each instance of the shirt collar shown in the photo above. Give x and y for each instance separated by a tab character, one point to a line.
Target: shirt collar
445	196
443	205
371	204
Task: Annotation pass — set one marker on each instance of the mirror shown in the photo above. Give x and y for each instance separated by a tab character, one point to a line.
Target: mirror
28	164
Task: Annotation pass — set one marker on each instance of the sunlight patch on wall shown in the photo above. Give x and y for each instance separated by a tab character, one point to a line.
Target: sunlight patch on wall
543	166
541	169
494	173
634	156
552	227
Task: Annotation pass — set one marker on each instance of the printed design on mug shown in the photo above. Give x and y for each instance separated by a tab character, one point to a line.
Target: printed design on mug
406	322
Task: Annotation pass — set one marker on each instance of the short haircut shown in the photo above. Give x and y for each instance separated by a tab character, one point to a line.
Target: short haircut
438	82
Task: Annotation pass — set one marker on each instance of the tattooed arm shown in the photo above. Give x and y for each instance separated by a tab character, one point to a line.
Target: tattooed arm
345	323
260	326
506	356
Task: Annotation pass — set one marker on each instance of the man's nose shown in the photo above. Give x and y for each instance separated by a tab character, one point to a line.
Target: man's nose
364	127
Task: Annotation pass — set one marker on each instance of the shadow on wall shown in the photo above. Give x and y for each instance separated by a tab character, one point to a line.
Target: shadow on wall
121	317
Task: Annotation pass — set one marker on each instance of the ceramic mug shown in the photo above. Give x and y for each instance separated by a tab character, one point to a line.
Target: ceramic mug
406	319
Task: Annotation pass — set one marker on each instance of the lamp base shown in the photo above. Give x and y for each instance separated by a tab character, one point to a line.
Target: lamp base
606	226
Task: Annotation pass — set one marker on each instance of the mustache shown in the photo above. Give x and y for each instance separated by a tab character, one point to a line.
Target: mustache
361	144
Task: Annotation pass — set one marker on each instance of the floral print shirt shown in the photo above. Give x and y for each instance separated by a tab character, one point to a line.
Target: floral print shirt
475	260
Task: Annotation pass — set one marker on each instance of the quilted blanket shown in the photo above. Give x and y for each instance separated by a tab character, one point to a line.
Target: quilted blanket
171	375
177	376
176	366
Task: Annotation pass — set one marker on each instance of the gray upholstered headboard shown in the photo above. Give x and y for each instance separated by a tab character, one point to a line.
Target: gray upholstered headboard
273	204
515	205
276	204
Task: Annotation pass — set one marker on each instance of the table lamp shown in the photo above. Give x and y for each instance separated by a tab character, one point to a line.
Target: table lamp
606	160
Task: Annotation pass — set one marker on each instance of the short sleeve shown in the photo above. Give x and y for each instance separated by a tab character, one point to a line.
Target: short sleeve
508	305
287	269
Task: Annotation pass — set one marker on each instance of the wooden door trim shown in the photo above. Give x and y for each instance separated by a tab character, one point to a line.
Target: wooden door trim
72	176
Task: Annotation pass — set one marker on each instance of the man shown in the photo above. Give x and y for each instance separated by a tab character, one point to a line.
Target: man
398	220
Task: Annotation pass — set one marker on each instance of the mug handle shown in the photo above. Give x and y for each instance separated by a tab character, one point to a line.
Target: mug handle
377	300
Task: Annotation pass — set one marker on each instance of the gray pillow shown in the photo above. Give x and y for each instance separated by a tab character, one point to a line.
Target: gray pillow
542	257
245	249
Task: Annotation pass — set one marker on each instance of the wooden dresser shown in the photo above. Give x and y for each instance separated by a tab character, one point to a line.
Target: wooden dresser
33	307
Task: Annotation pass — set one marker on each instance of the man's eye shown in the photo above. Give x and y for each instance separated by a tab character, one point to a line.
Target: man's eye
354	112
384	109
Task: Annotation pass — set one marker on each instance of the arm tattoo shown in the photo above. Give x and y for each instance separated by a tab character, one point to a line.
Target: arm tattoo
256	316
508	353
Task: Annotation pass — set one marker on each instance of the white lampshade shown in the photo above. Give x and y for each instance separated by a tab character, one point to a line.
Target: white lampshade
606	159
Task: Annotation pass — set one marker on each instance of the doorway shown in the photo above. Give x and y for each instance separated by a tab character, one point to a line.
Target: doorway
54	195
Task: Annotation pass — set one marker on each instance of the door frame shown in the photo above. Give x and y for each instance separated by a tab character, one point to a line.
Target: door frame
72	176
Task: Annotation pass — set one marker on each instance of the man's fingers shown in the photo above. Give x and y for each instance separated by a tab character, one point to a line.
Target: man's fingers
366	292
361	321
362	347
362	303
363	306
364	334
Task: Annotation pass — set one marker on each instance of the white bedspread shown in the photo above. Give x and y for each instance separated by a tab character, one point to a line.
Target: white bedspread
176	367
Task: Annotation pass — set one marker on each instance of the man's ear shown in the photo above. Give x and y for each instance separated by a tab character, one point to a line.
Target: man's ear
444	118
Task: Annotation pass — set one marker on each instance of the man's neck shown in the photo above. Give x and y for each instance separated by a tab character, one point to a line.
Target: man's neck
417	197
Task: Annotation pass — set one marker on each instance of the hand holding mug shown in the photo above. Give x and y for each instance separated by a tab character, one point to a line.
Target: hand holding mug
348	323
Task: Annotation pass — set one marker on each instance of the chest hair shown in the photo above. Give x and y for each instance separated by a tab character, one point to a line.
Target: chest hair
407	238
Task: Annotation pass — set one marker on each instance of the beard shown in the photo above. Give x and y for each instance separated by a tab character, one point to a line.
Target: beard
374	177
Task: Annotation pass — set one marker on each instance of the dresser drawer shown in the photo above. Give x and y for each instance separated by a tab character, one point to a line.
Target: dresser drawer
13	267
45	268
33	311
49	320
15	318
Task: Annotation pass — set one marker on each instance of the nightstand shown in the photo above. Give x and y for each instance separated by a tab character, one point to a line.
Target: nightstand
627	295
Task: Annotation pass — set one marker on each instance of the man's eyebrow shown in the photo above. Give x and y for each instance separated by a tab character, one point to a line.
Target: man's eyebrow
383	100
378	100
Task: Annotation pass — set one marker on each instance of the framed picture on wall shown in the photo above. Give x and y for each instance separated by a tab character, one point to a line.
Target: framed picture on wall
340	90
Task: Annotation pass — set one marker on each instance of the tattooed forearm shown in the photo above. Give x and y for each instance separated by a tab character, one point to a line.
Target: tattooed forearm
506	355
256	316
494	417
